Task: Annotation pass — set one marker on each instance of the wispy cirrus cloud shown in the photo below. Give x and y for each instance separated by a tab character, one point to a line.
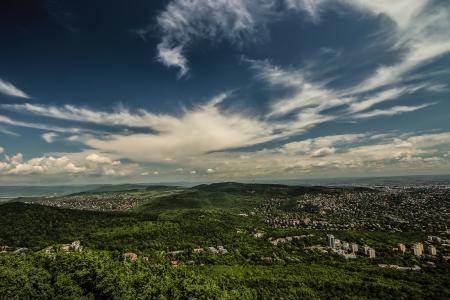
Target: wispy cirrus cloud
395	110
12	122
237	21
420	30
9	89
8	132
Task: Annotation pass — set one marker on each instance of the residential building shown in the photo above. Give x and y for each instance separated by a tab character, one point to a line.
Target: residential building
331	242
431	250
365	249
346	246
418	249
434	239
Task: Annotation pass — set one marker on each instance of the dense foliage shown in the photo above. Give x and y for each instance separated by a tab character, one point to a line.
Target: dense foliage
167	229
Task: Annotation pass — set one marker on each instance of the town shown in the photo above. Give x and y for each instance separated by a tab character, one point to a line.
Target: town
386	209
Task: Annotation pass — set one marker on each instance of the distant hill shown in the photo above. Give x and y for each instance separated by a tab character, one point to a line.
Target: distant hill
270	189
42	191
10	192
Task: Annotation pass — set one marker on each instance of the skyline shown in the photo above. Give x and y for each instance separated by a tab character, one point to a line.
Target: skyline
199	90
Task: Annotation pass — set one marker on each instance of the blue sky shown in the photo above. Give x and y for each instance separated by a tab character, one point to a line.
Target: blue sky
153	91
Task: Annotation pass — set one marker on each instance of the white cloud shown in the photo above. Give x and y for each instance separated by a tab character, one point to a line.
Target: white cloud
323	152
10	90
16	159
314	145
418	28
389	111
109	172
307	94
9	121
402	12
49	137
2	150
196	136
70	164
421	31
155	173
204	129
184	21
4	166
121	117
351	154
386	95
359	154
46	165
8	132
94	157
173	57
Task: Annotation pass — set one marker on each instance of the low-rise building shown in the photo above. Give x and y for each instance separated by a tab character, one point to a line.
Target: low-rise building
346	246
432	250
199	250
222	250
418	249
131	256
331	242
434	239
365	249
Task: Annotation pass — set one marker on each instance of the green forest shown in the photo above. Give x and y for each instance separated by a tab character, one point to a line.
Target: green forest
164	233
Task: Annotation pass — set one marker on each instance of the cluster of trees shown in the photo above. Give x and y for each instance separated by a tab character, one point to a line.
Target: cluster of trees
101	275
206	216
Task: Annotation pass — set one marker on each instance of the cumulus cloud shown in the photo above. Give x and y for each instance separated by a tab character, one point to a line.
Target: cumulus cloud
210	135
94	157
70	164
109	172
16	159
10	90
47	165
2	150
360	154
